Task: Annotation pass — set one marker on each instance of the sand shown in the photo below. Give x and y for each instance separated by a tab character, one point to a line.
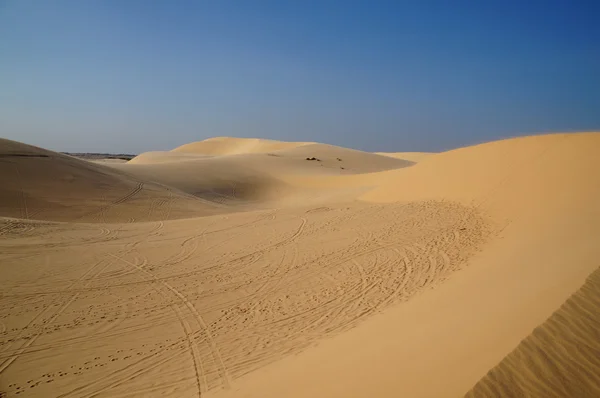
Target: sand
238	268
410	156
560	357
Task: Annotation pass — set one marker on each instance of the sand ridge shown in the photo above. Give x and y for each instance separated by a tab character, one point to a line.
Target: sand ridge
236	267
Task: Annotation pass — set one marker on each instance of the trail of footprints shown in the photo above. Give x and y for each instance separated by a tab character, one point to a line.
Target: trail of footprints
79	369
300	277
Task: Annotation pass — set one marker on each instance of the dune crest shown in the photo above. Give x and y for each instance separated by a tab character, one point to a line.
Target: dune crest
235	146
410	156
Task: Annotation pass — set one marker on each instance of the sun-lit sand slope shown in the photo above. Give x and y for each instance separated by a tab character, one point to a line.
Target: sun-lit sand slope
561	358
410	156
240	269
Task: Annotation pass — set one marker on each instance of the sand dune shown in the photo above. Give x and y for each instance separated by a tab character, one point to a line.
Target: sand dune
258	179
281	160
271	275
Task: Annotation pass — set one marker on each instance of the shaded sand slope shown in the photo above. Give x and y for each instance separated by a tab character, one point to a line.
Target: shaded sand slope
44	185
544	194
233	180
561	358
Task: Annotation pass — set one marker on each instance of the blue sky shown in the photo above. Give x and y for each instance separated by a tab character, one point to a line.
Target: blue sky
131	76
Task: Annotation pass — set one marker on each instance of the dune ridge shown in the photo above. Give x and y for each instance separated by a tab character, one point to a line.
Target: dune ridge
258	270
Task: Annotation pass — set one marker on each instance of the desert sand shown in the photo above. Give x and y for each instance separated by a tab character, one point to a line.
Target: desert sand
256	268
410	156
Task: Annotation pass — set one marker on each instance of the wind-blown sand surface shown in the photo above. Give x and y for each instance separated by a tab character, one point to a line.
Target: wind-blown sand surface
238	268
410	156
565	347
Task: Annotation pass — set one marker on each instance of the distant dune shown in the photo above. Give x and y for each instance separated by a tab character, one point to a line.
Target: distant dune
257	268
255	176
275	157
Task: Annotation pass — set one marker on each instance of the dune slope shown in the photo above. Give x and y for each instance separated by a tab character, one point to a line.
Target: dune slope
43	185
561	358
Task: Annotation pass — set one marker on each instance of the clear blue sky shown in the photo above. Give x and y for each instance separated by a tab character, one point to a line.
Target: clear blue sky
132	76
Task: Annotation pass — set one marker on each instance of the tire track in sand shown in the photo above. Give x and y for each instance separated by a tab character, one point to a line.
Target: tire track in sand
189	333
5	365
198	367
105	208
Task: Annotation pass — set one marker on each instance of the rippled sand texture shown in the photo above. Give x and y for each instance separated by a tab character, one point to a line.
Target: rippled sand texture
561	358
